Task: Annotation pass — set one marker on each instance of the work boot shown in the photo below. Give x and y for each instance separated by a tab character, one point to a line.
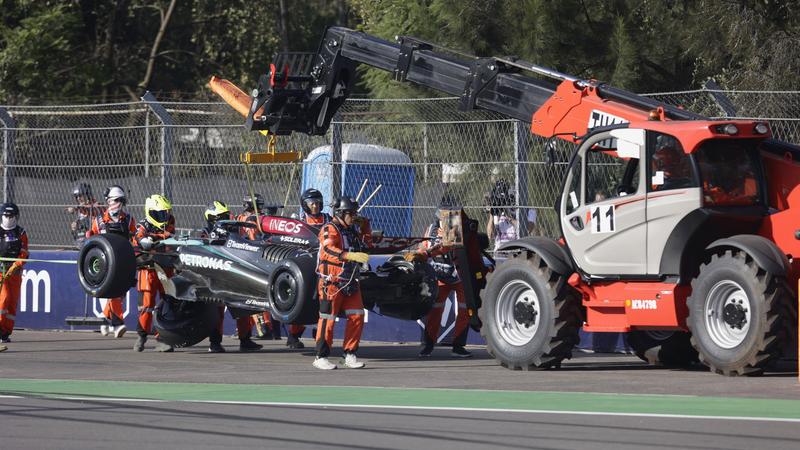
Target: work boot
105	330
139	345
460	352
3	348
216	348
293	342
120	331
164	347
350	361
323	364
426	349
247	345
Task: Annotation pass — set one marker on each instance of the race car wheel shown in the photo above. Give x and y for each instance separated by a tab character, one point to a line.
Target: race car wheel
292	290
530	315
738	314
668	348
183	324
106	266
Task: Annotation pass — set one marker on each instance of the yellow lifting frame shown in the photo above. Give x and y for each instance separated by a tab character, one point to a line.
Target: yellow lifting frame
272	156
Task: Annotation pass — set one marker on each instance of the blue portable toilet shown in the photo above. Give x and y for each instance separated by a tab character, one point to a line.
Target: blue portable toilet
390	210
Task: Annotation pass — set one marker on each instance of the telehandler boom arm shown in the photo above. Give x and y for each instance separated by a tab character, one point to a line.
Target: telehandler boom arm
558	104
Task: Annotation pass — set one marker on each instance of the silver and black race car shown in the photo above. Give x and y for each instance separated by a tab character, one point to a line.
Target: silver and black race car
276	274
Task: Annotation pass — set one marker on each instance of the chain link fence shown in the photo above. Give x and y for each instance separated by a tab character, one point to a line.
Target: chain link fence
190	152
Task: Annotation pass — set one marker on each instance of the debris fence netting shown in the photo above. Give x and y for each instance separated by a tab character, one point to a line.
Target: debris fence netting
429	150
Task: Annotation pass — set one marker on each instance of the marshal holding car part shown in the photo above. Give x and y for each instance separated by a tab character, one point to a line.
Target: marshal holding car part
674	228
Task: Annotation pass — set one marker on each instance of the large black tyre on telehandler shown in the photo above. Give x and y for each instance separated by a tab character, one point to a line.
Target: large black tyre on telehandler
107	265
739	314
530	314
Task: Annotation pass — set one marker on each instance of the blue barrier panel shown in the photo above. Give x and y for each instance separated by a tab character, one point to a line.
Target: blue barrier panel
51	292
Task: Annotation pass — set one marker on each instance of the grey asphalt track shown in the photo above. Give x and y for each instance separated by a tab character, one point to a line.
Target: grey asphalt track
101	421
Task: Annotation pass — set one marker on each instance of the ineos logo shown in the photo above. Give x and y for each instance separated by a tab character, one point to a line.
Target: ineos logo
286	226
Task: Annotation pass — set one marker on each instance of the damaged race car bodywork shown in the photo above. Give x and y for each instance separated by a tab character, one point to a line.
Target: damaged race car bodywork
276	274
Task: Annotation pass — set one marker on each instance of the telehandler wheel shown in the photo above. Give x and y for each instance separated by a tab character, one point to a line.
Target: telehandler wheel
530	314
669	348
738	314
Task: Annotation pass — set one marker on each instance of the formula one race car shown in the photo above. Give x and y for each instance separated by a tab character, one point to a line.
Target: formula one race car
276	274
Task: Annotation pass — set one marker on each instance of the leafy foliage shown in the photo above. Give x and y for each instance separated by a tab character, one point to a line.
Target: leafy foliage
89	50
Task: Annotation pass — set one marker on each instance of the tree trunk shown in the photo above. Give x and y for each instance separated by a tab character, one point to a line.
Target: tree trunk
154	50
108	47
341	10
283	25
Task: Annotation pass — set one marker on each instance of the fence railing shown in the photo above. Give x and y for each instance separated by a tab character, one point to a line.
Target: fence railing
189	151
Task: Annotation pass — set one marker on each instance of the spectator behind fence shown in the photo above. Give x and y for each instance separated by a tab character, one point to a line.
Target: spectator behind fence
86	209
502	225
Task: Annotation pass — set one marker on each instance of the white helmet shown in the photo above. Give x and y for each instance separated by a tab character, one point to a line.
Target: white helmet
115	192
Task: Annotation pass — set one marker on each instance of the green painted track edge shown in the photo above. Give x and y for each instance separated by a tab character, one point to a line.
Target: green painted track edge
410	397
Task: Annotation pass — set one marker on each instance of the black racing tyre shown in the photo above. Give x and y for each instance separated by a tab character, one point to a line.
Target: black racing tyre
292	291
183	324
668	348
107	266
530	314
738	314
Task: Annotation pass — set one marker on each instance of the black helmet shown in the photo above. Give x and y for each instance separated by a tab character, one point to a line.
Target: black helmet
449	201
343	205
310	195
10	209
248	202
84	189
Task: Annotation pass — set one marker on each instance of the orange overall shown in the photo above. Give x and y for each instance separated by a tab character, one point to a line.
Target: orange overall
113	310
148	283
296	330
252	233
447	285
338	289
16	246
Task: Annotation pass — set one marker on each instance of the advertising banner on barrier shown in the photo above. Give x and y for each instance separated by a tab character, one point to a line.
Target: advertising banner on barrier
51	292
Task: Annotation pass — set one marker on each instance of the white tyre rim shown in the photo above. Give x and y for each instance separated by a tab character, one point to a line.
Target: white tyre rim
728	333
515	295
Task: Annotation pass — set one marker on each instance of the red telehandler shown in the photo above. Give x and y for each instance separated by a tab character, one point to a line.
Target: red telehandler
676	229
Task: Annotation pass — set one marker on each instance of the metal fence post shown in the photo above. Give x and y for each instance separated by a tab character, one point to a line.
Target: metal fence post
425	151
521	173
166	142
9	130
336	156
147	145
